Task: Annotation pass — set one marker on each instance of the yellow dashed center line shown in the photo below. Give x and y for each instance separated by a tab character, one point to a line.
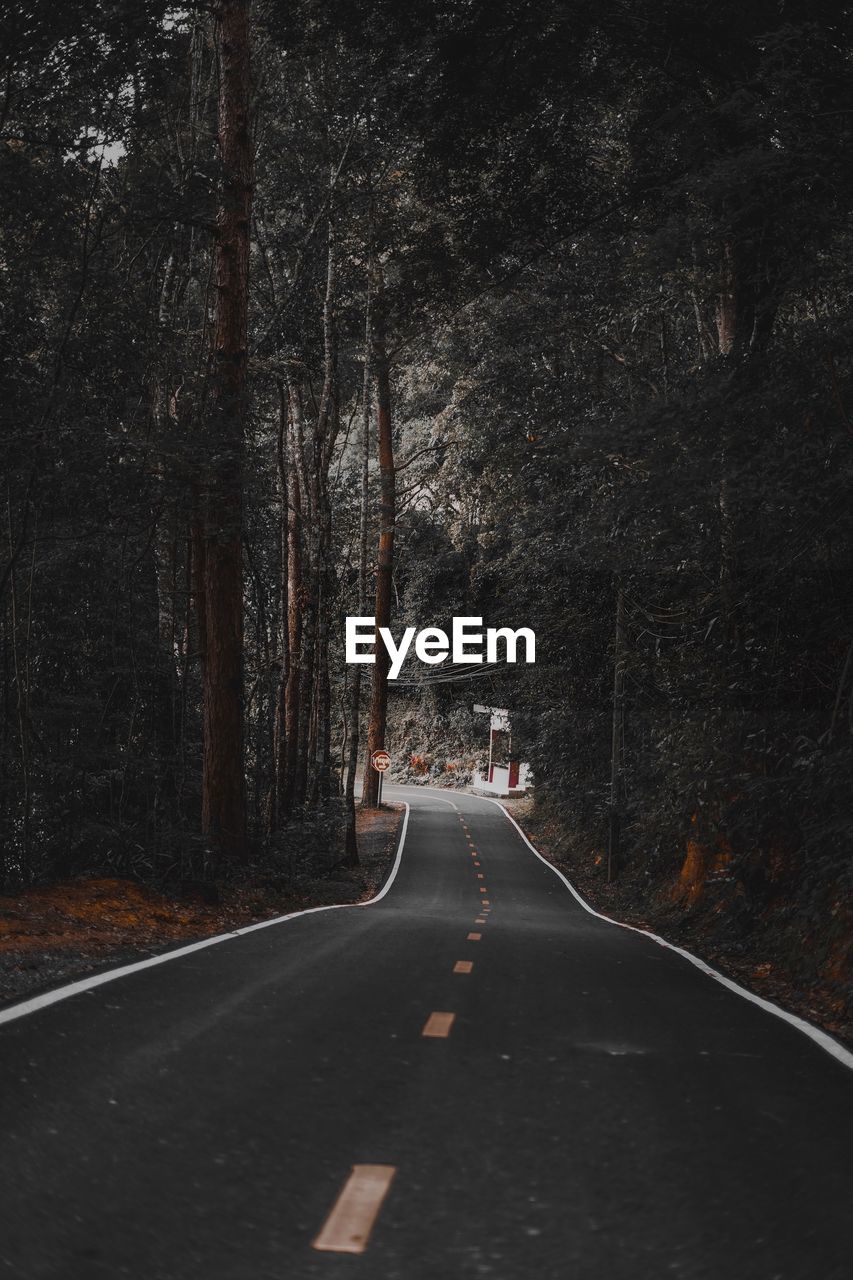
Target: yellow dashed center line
348	1226
438	1025
352	1218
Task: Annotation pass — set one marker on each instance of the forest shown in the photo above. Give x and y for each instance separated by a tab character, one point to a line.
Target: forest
538	312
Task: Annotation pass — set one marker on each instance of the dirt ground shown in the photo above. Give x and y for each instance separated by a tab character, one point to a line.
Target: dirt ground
55	933
768	961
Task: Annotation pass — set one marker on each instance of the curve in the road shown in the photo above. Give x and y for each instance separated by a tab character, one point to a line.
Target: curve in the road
571	1101
821	1038
46	998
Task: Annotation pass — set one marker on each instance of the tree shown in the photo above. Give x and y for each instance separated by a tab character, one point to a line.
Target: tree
224	787
385	552
613	310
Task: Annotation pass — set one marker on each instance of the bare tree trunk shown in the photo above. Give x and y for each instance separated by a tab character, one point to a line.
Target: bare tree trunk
322	747
385	560
280	743
305	726
326	432
190	613
618	710
727	304
21	669
223	784
294	637
198	578
300	744
730	342
728	563
354	715
749	297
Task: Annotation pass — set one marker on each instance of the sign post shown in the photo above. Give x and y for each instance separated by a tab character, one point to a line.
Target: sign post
380	761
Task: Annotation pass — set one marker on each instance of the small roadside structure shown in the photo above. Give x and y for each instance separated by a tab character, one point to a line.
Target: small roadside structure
505	774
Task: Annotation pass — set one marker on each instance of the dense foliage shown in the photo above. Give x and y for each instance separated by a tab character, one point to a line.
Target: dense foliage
605	248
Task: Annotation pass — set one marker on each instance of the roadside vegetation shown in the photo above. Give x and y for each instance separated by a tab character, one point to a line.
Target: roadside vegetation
539	313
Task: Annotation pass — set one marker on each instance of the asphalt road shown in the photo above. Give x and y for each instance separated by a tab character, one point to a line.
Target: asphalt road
599	1110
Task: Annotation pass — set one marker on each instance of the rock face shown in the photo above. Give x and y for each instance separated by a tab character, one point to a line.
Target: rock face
434	742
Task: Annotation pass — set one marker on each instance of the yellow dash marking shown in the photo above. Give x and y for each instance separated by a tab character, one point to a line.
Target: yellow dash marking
348	1226
463	966
438	1025
474	937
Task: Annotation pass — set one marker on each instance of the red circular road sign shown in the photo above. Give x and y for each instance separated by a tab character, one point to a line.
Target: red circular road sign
380	761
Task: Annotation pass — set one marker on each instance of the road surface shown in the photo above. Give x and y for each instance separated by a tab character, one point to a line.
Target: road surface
596	1108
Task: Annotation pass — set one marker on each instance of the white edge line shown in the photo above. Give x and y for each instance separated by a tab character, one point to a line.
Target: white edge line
821	1038
23	1007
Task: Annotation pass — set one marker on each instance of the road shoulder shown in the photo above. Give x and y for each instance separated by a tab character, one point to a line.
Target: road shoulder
760	960
55	933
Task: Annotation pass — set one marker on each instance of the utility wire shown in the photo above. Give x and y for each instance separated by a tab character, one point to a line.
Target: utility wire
487	668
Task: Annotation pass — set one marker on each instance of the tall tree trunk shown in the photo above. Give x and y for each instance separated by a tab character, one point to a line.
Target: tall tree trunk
295	593
325	435
749	294
354	716
21	671
313	453
730	319
726	313
166	550
280	745
223	784
618	711
385	559
321	747
299	746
